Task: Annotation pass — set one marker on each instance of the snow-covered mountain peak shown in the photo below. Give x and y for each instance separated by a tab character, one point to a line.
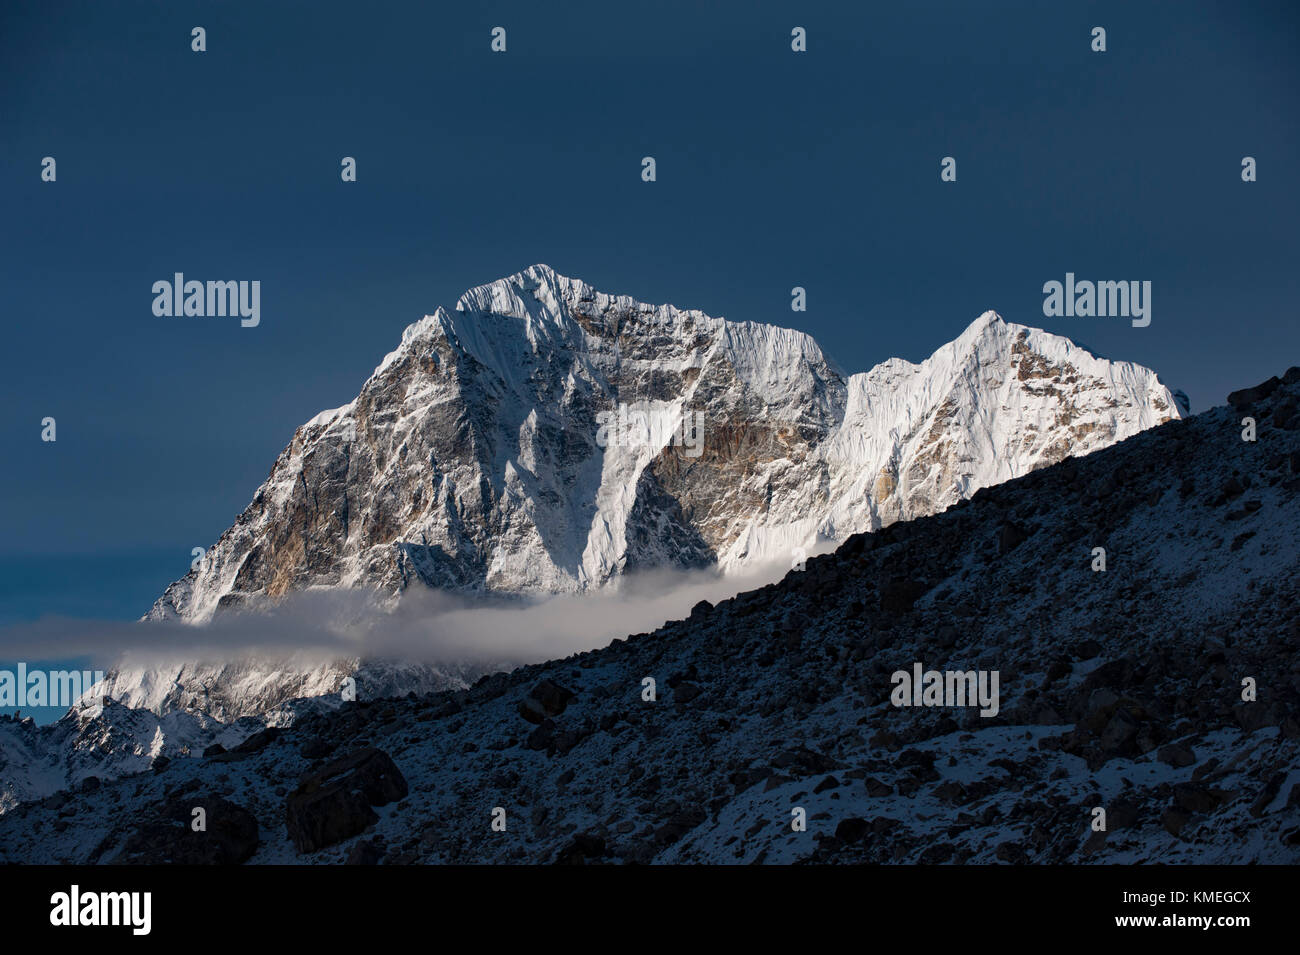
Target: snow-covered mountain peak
537	294
986	320
493	449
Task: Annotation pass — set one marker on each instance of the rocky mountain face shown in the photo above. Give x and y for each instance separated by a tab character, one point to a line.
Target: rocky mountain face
478	457
1160	686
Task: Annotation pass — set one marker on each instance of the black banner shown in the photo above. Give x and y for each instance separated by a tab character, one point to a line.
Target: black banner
330	905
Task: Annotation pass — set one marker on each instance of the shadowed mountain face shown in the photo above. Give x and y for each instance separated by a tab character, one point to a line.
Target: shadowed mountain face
544	438
1161	689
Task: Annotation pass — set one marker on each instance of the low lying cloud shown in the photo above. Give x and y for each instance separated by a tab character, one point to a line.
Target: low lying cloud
426	627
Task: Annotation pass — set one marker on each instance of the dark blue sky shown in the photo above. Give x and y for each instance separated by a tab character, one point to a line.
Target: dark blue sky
775	169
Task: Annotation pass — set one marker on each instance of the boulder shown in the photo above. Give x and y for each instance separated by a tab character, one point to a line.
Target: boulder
315	748
334	804
167	837
254	744
546	699
1248	396
852	829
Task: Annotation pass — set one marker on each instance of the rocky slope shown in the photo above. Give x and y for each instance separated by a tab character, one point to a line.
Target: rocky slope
1120	689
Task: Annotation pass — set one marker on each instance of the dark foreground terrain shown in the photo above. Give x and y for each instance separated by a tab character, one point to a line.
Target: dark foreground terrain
1120	689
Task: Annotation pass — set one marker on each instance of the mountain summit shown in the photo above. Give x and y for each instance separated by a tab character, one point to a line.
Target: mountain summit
531	441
